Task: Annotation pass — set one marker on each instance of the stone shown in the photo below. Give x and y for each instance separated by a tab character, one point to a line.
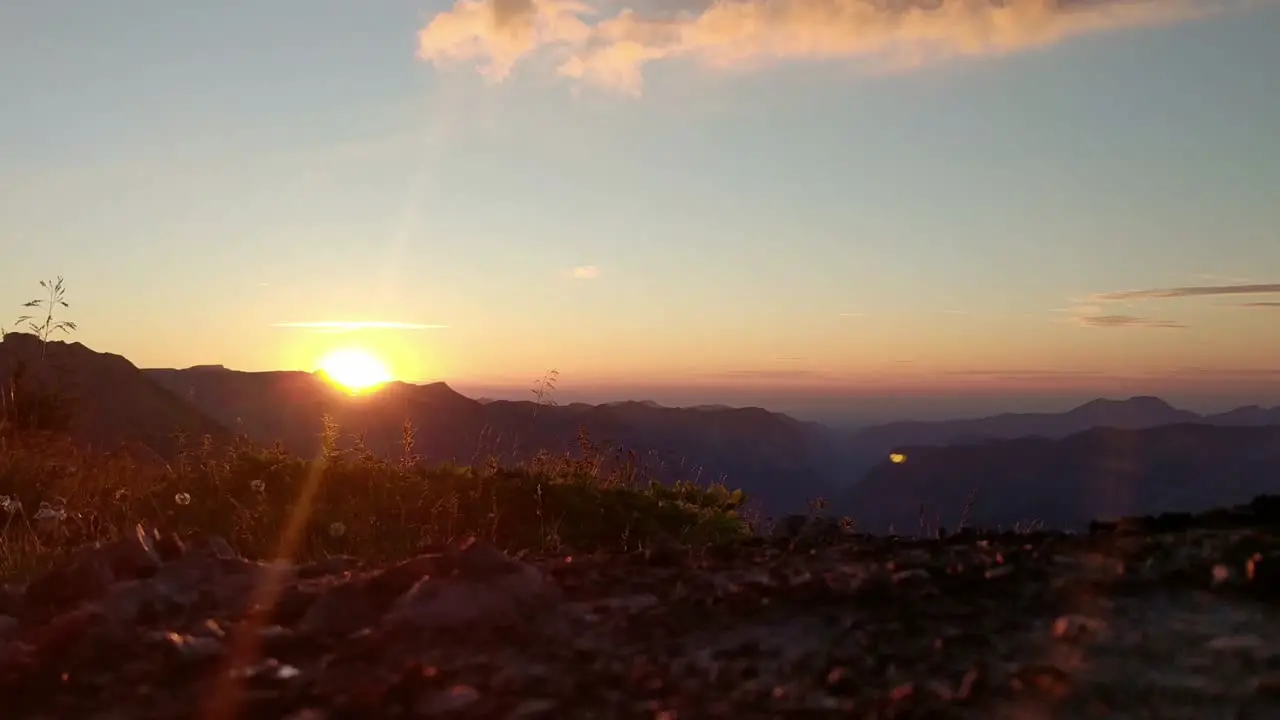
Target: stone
487	589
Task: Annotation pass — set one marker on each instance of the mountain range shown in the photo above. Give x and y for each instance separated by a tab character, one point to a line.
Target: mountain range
1106	457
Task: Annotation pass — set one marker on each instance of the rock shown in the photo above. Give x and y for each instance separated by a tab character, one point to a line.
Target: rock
806	532
1262	572
664	551
448	701
789	528
189	647
820	530
353	605
11	599
533	708
486	589
91	572
343	610
335	565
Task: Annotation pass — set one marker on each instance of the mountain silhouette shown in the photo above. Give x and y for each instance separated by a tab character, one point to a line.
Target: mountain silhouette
111	402
1136	455
870	445
778	460
1136	412
1064	482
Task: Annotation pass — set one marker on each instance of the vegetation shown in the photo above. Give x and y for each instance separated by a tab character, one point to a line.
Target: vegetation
27	404
55	297
55	497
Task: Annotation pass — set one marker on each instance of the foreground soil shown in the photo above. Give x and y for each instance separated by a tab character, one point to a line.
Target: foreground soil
1171	617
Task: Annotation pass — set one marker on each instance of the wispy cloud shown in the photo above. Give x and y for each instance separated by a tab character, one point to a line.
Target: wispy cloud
1031	376
852	315
1086	377
1261	305
349	325
774	374
1191	291
1126	321
594	43
584	272
1218	279
1223	373
1036	373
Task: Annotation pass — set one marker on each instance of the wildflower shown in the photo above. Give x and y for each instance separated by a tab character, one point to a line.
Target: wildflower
10	505
121	494
182	498
258	485
337	529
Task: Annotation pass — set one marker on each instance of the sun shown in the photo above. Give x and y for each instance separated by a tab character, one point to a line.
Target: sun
355	370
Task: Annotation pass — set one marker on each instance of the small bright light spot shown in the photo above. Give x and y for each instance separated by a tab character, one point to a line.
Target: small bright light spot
897	458
355	370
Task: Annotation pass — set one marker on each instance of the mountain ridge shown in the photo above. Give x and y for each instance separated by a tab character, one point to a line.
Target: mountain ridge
782	461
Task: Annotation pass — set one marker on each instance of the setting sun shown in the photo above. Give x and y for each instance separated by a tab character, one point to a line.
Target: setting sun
355	370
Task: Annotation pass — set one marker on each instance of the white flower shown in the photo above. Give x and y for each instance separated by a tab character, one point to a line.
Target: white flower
337	529
182	498
258	485
10	504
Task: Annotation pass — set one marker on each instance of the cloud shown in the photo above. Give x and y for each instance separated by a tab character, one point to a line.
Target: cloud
1030	376
611	49
1223	373
1121	321
772	374
584	272
1192	291
1035	373
852	315
1261	305
350	325
1223	279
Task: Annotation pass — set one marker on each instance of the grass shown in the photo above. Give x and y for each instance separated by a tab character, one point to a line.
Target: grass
55	497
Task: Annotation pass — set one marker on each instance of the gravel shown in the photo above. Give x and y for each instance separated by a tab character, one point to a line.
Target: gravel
1169	617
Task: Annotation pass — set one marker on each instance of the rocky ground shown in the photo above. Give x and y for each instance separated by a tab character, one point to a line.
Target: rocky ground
1170	617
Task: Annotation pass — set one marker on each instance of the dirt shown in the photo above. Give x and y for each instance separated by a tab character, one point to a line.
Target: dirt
1167	617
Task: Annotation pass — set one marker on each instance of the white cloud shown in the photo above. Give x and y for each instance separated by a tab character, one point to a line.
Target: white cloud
347	325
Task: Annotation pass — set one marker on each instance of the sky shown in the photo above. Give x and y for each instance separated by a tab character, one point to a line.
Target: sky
801	201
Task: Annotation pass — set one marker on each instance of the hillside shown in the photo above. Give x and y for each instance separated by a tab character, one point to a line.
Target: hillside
111	401
1032	466
777	460
1101	472
1132	413
871	444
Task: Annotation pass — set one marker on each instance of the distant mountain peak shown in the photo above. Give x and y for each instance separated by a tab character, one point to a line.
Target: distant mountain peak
1145	402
